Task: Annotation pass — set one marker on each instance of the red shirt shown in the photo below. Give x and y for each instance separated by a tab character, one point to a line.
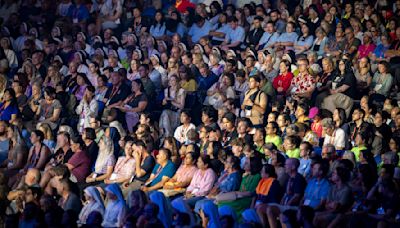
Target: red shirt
81	163
183	5
283	81
317	128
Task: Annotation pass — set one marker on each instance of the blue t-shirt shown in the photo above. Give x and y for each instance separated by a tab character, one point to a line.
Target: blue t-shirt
197	32
316	191
268	39
167	171
305	41
380	51
204	83
5	114
235	35
225	28
78	12
305	167
4	146
158	30
288	37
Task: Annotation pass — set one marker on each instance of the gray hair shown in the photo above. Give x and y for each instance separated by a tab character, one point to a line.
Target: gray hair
328	123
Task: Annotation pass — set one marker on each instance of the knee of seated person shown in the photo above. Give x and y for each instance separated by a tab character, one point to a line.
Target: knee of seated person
283	218
269	211
261	208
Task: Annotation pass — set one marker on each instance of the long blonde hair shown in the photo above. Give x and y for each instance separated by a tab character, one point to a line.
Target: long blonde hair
45	128
3	84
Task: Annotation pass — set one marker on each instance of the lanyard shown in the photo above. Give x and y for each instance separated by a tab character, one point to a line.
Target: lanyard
120	165
160	168
354	132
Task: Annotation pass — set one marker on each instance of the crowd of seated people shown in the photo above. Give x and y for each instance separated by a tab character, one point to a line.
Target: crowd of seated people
199	113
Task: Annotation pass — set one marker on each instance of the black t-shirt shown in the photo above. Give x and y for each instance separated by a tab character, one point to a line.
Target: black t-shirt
147	166
69	82
347	79
247	138
229	136
66	156
294	185
117	94
136	100
22	100
390	203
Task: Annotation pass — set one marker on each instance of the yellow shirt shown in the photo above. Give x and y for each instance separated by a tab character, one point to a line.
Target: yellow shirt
189	86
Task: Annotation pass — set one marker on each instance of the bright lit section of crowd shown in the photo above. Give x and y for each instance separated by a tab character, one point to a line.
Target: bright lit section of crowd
199	113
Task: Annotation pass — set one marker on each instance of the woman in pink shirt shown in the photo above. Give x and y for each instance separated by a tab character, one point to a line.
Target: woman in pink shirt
183	176
367	47
124	169
202	182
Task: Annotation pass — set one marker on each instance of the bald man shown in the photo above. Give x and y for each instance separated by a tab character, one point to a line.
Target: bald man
31	179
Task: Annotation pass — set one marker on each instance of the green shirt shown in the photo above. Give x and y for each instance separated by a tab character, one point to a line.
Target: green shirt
295	153
249	184
356	150
276	140
268	89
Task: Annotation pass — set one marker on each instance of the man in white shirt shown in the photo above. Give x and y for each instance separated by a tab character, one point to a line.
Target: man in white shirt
333	135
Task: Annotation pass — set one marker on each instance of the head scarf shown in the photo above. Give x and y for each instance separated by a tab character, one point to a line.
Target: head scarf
210	210
57	57
227	210
106	149
162	43
200	47
164	206
116	190
139	52
232	52
114	53
96	204
25	26
58	31
141	199
115	40
181	206
97	38
83	35
116	209
34	31
183	46
156	57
